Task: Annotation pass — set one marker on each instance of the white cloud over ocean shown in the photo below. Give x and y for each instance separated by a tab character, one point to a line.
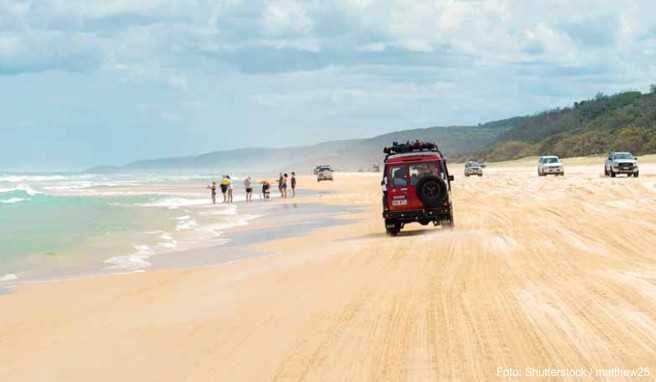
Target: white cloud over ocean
87	82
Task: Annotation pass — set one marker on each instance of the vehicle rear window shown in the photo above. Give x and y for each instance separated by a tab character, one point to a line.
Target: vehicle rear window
420	170
398	174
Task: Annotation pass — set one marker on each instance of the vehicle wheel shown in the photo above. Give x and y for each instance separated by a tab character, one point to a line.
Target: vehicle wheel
612	173
635	174
480	174
605	171
392	227
432	191
448	223
392	231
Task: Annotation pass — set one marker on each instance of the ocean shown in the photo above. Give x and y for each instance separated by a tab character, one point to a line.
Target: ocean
54	225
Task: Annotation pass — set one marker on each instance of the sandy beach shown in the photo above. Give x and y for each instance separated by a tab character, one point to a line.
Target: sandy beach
555	272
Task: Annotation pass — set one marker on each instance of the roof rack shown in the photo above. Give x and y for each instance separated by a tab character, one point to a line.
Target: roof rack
410	147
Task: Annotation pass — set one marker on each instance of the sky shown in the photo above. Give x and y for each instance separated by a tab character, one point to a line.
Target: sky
86	82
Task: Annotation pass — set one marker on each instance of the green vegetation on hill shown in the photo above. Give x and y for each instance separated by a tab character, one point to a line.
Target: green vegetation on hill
625	121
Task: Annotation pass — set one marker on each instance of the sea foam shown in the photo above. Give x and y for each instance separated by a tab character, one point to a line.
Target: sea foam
185	223
175	203
21	187
135	261
8	277
12	200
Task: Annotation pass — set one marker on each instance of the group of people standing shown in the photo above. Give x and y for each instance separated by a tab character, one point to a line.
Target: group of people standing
227	188
283	180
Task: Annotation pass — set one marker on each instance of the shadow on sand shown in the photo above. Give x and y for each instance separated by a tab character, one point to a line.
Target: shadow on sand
414	232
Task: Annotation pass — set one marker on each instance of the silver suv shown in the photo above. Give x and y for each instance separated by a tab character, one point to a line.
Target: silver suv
473	168
324	173
550	165
621	163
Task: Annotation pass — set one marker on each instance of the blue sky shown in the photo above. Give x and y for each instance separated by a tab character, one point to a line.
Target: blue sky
87	82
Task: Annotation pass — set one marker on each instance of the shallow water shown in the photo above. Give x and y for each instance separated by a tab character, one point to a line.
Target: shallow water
52	226
276	221
288	220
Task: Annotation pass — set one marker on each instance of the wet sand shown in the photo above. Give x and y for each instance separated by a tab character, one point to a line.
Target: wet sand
554	272
282	219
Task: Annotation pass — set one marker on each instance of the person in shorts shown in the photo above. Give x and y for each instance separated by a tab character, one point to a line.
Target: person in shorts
266	190
212	188
225	182
283	186
249	189
229	189
293	184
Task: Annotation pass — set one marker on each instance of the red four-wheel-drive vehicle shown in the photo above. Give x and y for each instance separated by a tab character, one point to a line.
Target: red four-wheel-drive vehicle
416	186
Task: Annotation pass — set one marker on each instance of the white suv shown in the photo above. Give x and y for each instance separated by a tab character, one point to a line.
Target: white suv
473	168
621	163
324	173
550	165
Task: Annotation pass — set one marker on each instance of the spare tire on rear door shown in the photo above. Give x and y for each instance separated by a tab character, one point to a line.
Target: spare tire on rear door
432	191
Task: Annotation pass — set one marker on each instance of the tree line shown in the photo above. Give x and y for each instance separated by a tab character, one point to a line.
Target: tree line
622	122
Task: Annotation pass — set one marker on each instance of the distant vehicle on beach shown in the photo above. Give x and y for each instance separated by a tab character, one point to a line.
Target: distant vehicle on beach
319	167
324	172
550	165
621	163
416	186
473	168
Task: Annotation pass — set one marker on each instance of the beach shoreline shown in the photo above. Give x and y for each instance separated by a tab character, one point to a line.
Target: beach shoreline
264	221
346	302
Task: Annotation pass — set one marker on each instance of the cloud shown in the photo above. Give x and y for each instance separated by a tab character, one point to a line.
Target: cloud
39	51
179	82
490	31
347	68
286	17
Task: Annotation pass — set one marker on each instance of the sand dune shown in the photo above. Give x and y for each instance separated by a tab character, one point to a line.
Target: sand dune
556	272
